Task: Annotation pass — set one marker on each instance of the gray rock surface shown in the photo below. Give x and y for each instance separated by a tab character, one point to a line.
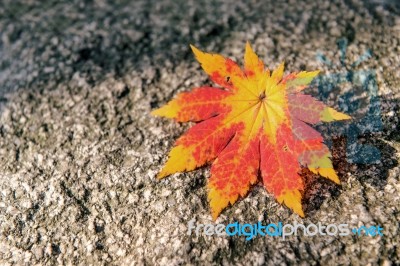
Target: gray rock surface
79	150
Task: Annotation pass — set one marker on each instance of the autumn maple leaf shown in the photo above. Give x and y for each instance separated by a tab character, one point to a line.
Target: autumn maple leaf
255	127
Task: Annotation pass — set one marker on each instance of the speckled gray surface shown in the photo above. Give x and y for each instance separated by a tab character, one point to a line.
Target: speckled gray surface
79	151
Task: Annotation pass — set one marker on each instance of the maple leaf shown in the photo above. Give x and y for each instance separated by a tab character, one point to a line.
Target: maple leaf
255	128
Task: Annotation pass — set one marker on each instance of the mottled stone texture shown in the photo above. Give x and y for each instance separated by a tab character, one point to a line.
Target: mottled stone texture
79	151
